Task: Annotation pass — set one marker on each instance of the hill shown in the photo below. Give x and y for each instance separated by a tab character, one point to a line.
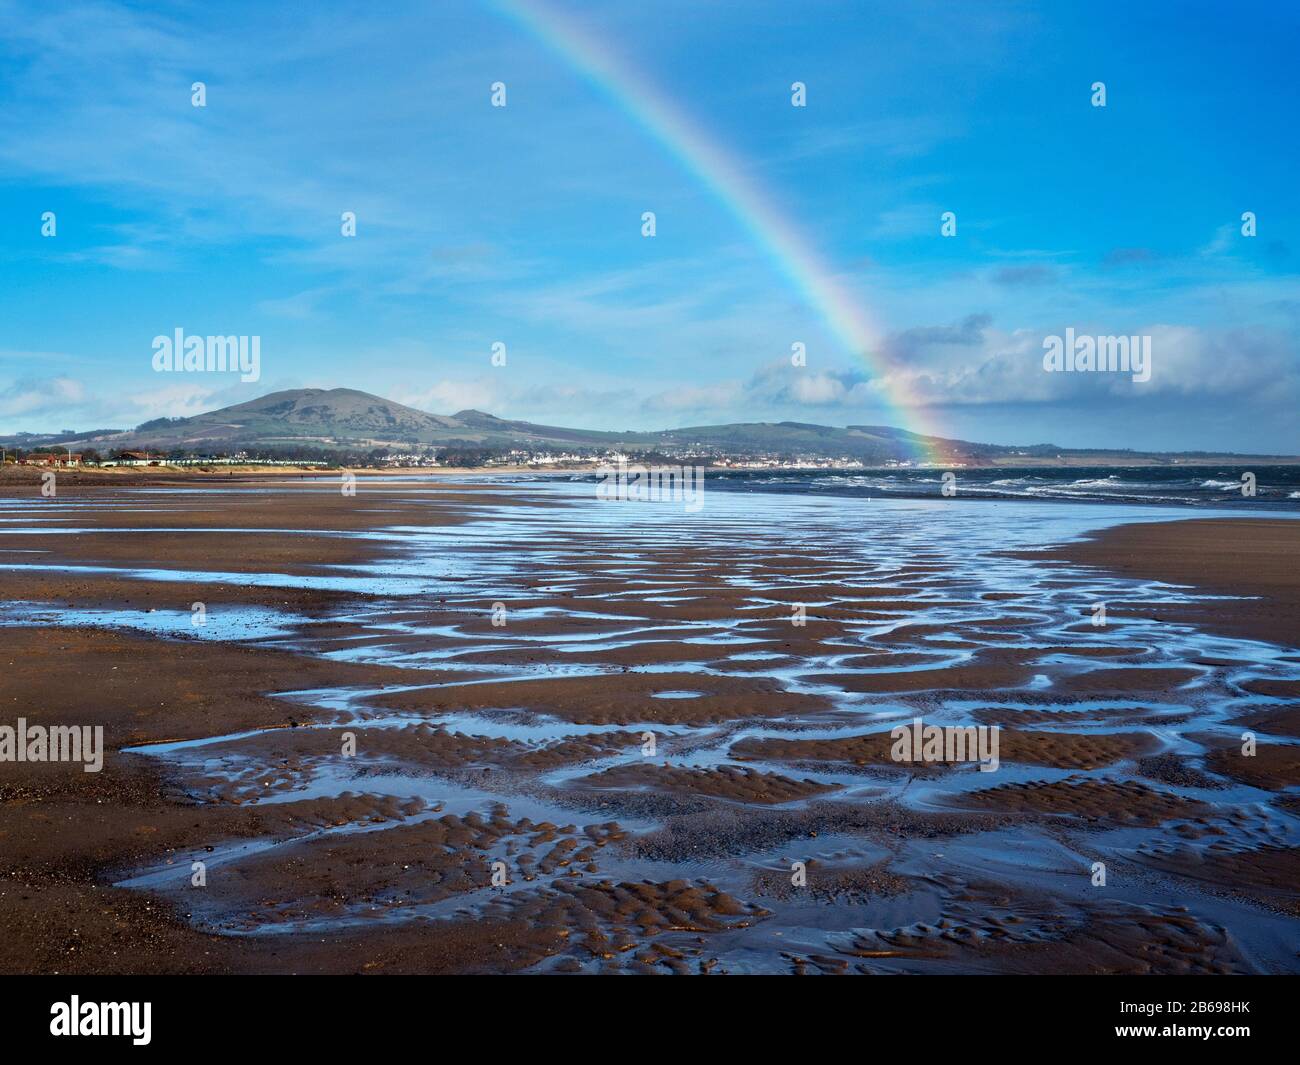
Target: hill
347	419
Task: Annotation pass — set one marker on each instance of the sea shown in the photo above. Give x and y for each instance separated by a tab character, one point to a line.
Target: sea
1242	487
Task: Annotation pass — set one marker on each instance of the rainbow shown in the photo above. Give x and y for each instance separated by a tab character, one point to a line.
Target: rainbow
702	155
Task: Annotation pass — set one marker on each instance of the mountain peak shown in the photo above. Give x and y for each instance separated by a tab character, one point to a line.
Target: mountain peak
328	419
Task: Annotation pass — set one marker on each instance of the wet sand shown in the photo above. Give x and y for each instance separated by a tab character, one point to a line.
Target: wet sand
590	740
1251	557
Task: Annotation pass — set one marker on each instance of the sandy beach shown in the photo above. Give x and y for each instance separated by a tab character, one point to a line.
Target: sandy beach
461	725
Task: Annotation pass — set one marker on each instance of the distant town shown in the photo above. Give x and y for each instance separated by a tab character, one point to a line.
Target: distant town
459	458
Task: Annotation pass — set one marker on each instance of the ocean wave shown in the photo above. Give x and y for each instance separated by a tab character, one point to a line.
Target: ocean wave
1207	486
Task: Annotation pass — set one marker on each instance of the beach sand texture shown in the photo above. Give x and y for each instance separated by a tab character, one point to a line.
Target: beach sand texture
591	737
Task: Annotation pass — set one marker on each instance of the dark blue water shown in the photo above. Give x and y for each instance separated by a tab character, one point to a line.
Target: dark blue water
1276	487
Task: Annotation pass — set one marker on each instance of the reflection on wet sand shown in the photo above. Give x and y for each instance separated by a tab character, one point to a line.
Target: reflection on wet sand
662	738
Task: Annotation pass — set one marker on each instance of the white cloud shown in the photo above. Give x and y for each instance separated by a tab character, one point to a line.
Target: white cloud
41	395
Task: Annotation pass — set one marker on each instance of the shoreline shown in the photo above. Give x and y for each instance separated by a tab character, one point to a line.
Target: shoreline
89	475
1273	500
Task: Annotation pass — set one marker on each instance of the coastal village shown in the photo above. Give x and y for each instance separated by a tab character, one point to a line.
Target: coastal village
431	459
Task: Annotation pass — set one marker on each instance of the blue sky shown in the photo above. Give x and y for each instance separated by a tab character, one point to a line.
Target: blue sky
523	224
